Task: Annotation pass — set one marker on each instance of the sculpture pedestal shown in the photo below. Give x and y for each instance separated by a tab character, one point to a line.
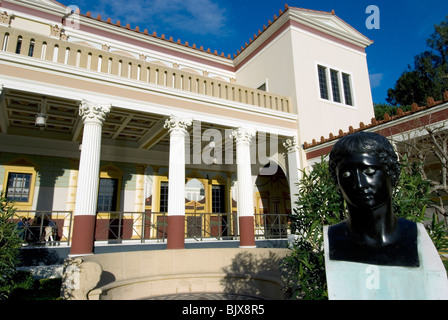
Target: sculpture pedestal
360	281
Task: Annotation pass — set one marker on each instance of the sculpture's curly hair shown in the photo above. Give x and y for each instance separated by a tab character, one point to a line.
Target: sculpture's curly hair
366	142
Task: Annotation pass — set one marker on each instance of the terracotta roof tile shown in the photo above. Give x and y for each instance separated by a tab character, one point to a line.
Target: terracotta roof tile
374	122
154	34
162	37
260	32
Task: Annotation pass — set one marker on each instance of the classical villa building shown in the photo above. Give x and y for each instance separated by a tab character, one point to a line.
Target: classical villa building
123	135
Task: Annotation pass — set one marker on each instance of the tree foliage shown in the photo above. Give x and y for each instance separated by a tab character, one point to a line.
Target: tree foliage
319	203
381	109
411	197
429	75
10	243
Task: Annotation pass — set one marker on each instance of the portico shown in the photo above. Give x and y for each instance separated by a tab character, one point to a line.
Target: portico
104	142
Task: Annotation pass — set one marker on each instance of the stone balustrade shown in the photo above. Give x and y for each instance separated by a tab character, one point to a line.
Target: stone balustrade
59	50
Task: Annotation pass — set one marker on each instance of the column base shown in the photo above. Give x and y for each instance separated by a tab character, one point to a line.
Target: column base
247	232
176	232
83	235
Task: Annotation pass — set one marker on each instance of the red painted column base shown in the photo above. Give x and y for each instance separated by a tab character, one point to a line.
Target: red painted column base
247	231
176	232
83	235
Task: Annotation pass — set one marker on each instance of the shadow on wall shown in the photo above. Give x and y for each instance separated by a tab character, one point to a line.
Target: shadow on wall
42	256
253	275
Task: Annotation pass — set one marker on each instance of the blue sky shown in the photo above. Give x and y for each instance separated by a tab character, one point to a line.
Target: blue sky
225	25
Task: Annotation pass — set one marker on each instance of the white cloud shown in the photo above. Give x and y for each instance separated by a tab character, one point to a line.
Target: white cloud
195	16
375	79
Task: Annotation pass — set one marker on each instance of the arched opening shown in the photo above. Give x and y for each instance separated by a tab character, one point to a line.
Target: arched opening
272	205
194	207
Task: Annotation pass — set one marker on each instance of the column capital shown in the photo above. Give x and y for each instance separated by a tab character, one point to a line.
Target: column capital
243	134
291	145
177	125
93	112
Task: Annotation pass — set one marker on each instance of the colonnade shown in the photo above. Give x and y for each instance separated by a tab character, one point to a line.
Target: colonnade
93	116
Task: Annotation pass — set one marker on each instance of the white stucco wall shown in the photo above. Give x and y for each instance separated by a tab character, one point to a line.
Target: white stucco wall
289	65
319	117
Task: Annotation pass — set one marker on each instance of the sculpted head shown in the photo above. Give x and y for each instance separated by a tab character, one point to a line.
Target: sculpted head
365	167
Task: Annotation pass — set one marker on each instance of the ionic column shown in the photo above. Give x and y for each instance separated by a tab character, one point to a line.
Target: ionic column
245	204
293	168
176	182
93	116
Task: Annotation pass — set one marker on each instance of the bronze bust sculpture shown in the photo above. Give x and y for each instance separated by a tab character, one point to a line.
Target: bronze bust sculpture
365	168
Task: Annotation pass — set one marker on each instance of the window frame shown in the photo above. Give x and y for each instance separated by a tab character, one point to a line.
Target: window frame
345	75
323	80
21	205
335	86
222	197
115	194
110	171
165	184
340	86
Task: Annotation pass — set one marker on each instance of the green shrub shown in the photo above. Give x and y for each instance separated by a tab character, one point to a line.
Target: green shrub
319	203
10	244
25	287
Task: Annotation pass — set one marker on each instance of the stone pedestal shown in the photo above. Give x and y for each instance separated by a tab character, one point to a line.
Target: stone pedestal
359	281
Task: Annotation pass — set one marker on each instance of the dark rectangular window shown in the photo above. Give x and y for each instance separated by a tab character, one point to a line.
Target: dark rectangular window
19	45
18	187
347	89
31	48
218	199
164	196
339	82
107	195
335	85
323	82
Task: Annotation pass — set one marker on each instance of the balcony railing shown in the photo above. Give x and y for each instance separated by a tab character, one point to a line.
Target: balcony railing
271	226
44	227
54	227
123	226
121	65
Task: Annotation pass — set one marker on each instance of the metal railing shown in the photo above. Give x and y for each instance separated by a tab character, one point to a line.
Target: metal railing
271	226
219	226
55	227
121	226
44	227
142	226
